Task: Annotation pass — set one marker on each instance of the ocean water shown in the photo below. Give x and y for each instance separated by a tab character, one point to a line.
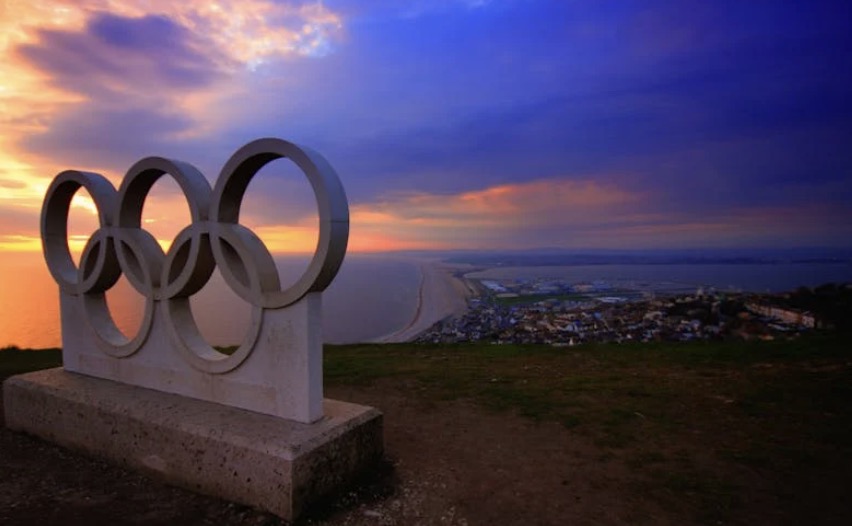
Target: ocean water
754	277
371	296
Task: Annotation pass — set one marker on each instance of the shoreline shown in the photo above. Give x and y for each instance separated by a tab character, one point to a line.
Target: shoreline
440	295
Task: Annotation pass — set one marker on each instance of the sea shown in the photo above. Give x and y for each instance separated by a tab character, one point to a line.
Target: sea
685	277
373	295
370	297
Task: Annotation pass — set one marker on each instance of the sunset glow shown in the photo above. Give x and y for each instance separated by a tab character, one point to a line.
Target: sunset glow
453	125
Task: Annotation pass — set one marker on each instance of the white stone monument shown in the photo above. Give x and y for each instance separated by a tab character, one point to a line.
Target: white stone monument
251	426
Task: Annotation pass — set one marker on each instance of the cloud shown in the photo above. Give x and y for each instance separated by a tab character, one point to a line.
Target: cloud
103	82
492	217
460	122
11	184
19	229
112	138
246	31
132	74
522	214
116	58
412	8
571	213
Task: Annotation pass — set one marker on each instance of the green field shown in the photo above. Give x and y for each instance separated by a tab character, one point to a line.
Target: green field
688	419
603	387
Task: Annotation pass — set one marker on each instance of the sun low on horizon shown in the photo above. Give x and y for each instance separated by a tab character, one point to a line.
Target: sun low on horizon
455	124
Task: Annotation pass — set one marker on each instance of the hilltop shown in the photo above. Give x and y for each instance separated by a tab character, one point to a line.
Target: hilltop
698	433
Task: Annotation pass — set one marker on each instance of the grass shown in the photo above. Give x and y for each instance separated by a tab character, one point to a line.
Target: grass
611	387
693	422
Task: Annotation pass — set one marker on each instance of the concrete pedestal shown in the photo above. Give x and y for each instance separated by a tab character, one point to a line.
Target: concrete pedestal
260	460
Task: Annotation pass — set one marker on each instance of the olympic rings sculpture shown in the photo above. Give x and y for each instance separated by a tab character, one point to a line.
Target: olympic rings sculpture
213	238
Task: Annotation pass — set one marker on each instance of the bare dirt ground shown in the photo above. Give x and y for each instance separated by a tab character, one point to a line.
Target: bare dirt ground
448	463
452	463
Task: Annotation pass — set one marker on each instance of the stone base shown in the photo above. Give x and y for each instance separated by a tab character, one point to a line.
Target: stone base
274	464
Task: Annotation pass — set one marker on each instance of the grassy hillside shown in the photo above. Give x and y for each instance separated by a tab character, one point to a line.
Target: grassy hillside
608	390
728	431
734	432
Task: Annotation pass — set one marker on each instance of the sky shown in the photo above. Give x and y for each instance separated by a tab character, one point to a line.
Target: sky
453	124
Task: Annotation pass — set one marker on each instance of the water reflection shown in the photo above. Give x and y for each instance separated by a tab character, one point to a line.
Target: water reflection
372	296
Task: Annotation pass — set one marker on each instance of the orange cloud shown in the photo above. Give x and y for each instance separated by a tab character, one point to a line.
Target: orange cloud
535	200
549	212
292	239
19	243
485	218
493	217
571	213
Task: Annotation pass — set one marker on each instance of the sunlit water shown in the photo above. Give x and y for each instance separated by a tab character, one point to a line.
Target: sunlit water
370	297
758	277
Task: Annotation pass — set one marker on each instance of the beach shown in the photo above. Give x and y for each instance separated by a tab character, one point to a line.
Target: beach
441	294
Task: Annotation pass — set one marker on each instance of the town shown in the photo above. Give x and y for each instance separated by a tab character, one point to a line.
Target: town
560	314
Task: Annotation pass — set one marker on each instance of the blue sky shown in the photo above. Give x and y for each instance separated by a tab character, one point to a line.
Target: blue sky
454	124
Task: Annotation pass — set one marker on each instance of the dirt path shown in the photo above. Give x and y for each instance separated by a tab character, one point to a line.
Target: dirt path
447	464
455	463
